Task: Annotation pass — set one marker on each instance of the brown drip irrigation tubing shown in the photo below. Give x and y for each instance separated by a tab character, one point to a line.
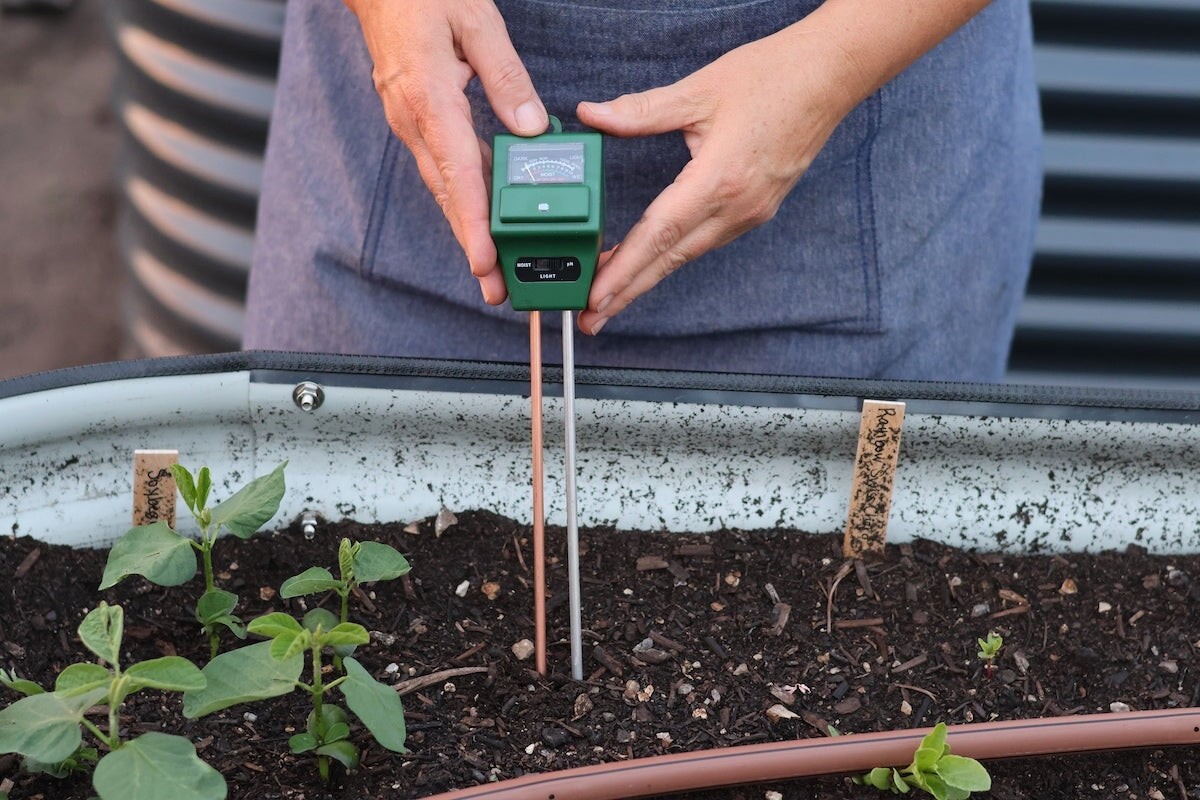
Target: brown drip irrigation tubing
539	521
850	754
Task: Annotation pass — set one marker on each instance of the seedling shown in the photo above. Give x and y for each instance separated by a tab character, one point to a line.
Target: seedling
46	728
162	556
989	648
934	770
269	669
364	562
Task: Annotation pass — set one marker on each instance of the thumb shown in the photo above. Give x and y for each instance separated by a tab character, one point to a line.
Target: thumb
658	110
504	79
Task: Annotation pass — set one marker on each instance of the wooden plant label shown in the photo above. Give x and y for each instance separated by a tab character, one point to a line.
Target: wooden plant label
874	477
154	486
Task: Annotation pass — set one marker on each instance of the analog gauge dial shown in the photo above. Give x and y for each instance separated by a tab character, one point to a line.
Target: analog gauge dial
546	163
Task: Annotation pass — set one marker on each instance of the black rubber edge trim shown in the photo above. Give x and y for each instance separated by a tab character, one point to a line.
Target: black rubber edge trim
975	399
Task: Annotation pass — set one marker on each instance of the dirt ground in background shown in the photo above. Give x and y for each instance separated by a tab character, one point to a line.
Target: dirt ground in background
60	280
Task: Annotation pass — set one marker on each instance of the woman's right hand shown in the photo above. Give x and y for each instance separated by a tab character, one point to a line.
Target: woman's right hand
425	52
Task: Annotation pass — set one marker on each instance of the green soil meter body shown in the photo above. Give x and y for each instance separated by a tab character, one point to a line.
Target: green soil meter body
548	216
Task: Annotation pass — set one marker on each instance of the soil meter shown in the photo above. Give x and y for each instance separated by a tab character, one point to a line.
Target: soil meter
548	216
548	222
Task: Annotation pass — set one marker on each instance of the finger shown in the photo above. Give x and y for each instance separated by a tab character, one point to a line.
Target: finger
452	162
491	278
658	110
486	46
682	223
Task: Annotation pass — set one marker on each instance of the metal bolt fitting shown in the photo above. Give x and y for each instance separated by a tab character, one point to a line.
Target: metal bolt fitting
308	523
308	396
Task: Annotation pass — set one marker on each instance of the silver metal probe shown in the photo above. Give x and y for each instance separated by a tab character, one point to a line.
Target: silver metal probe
568	337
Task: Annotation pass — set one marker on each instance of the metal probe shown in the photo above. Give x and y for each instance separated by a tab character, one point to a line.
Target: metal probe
539	536
568	348
539	519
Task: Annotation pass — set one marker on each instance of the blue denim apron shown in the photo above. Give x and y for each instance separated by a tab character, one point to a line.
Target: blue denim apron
903	251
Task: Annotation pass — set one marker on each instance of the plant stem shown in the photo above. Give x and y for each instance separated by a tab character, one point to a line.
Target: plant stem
318	693
114	718
99	734
214	640
206	549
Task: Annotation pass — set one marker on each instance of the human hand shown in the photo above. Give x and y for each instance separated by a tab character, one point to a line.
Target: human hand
751	137
425	52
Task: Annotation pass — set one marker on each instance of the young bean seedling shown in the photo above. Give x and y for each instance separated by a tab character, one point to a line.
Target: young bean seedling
269	669
364	562
989	648
933	770
167	558
46	728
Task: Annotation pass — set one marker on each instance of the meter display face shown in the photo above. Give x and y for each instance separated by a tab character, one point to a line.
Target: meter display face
560	162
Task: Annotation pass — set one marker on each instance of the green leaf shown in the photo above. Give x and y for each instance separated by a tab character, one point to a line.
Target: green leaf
81	760
290	645
252	505
931	749
80	678
898	782
154	551
186	486
377	705
375	561
880	778
343	650
154	766
345	633
274	624
331	715
242	676
936	787
964	773
311	581
203	484
169	673
101	631
45	727
215	604
319	619
21	685
302	743
346	553
337	732
342	751
214	609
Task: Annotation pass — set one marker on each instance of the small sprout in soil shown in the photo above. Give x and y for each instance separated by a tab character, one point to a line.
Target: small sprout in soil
167	558
273	668
934	770
989	648
44	727
364	562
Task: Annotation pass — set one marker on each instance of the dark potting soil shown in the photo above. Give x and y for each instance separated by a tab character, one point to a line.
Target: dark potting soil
689	641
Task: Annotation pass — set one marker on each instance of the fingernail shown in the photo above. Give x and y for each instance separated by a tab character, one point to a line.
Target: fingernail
599	109
487	299
599	325
530	118
604	304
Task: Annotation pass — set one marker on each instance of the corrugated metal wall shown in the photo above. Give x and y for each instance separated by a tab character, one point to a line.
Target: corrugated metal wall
1115	292
195	88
